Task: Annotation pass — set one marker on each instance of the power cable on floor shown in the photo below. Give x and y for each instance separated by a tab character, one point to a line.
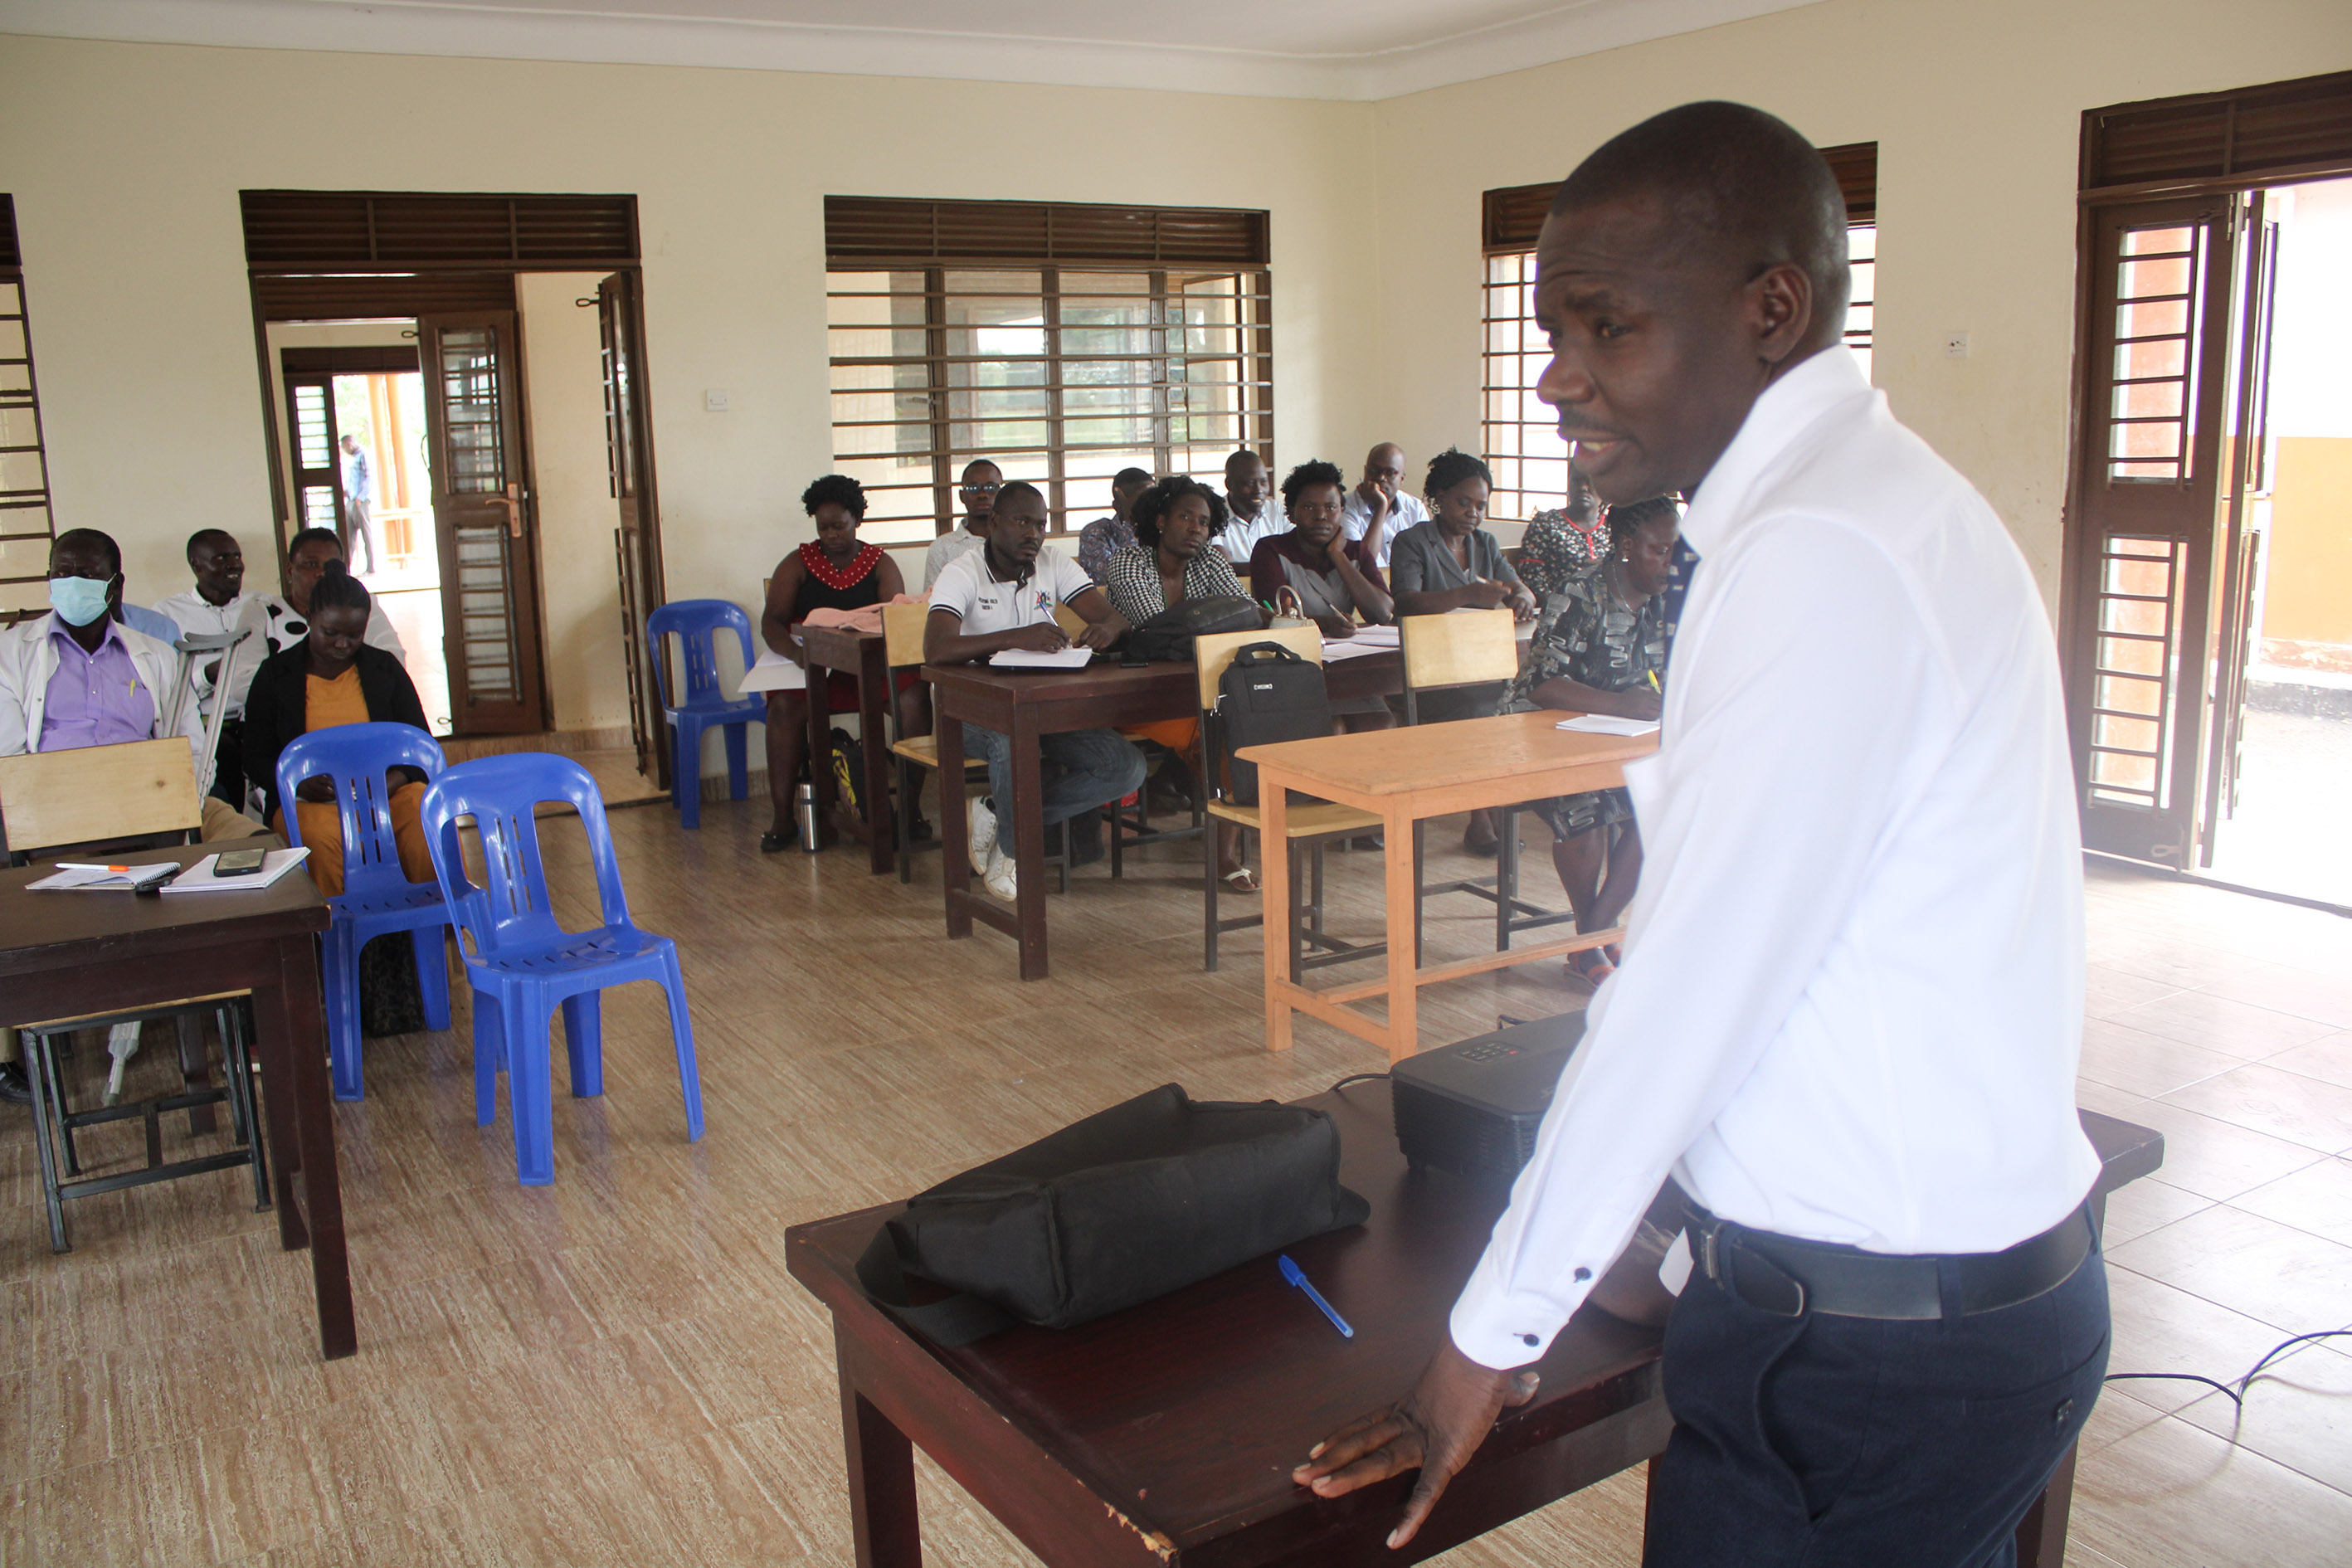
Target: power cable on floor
2237	1390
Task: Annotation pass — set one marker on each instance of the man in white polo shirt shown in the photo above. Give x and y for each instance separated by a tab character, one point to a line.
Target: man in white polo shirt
1002	596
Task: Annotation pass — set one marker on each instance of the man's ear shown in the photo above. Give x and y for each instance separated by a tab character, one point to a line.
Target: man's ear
1779	310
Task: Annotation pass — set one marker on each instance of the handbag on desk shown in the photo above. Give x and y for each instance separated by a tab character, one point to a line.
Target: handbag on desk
1129	1203
1169	635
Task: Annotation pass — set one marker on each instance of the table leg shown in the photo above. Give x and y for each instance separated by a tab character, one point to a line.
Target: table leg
820	747
288	1020
1404	954
1029	842
955	827
874	692
2041	1534
1275	897
884	1523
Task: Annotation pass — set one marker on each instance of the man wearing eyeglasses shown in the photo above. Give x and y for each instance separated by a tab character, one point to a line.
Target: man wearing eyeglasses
981	479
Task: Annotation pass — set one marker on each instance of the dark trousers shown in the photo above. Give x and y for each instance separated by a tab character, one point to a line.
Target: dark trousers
1833	1442
228	764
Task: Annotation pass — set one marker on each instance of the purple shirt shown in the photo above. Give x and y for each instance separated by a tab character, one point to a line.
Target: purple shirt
94	700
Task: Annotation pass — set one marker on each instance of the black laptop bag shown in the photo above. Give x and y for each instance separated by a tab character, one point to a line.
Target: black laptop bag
1267	694
1168	635
1129	1203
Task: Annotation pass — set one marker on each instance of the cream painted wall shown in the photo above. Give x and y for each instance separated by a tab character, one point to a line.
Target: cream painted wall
125	161
563	380
1977	110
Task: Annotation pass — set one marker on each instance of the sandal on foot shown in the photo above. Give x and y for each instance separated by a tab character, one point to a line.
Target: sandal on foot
772	842
1239	881
1592	966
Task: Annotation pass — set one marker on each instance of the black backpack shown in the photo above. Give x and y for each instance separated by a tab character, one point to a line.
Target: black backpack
1268	693
1169	635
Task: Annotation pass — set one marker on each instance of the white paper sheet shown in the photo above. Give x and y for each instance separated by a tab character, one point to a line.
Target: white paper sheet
1608	724
199	879
772	672
101	880
1071	657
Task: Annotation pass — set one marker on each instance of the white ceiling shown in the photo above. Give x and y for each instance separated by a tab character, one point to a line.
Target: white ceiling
1357	49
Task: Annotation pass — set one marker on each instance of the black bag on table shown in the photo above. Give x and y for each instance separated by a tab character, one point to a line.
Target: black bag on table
1169	635
1129	1203
1267	694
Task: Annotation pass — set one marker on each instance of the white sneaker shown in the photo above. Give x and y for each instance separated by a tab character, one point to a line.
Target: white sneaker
983	843
1000	876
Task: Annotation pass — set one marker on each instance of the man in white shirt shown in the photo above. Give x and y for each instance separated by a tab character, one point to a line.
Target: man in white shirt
1002	596
1379	507
1249	515
211	608
1851	1004
981	479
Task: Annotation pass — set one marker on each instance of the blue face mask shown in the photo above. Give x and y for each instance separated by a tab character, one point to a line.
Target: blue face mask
77	600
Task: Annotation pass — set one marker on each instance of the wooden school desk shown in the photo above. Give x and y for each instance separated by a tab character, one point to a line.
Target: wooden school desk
1401	775
1028	703
1163	1436
860	656
66	954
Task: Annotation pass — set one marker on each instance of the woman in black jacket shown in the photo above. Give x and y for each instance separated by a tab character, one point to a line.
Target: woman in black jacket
334	677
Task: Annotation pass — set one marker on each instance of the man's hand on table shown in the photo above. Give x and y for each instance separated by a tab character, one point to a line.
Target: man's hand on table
1044	636
1437	1427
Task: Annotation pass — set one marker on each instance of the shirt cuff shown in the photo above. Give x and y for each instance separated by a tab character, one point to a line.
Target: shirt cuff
1501	1329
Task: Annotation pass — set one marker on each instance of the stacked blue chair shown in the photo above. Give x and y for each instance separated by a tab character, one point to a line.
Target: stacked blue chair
697	623
522	965
378	898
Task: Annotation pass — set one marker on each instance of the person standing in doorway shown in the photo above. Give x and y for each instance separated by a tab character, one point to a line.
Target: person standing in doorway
359	503
1851	1005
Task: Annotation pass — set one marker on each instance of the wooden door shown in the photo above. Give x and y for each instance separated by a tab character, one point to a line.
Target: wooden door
2244	476
636	541
318	460
482	512
2153	392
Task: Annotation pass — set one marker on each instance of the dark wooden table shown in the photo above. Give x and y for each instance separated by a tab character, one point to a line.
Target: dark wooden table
860	656
69	952
1164	1436
1028	703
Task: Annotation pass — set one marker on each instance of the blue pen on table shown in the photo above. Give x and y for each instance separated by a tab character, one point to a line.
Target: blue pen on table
1298	1275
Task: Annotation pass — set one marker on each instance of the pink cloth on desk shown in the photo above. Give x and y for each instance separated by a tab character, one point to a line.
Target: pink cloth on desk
868	619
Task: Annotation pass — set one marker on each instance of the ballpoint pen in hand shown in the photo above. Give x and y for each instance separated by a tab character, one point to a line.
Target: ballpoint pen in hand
1298	1275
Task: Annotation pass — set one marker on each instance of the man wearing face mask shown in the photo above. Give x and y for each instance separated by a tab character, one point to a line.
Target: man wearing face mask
78	677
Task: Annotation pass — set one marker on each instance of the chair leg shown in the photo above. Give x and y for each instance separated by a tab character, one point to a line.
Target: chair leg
738	774
236	1054
344	1018
530	1089
1419	876
42	1079
489	1054
681	1031
49	1066
196	1071
1506	874
910	789
685	774
583	1042
1291	923
1209	896
433	972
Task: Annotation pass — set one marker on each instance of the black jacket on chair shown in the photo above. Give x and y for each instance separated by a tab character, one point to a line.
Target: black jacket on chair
277	707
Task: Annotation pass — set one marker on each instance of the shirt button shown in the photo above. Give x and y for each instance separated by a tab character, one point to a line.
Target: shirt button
1582	1275
1529	1339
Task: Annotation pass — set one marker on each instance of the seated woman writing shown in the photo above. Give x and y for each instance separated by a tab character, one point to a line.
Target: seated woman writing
833	571
1172	562
333	675
1600	647
1328	577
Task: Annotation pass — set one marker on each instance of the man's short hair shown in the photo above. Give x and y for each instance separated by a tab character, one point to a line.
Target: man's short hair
1244	456
90	539
976	463
208	536
1131	480
1017	487
313	536
1732	178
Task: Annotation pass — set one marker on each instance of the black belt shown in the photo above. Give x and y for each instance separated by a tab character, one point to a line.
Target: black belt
1786	1275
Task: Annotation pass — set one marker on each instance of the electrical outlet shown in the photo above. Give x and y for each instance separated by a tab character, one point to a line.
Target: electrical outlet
714	400
1956	345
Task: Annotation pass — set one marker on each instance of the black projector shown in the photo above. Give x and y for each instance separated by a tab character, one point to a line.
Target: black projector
1474	1108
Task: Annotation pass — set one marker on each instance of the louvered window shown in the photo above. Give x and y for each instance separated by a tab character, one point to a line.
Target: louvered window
26	526
2288	130
1062	342
319	255
1519	431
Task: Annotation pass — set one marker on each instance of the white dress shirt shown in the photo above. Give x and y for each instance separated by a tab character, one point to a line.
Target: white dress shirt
1852	997
1355	517
1240	535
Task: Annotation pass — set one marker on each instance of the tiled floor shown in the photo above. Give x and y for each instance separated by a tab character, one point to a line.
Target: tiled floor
617	1370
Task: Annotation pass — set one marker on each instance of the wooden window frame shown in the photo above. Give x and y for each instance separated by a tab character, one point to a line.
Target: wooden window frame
1510	219
20	509
1173	251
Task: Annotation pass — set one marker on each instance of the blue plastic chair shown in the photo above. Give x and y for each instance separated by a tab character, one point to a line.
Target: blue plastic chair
377	897
522	965
697	623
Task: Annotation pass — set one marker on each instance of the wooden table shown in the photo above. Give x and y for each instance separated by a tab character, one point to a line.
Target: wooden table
1164	1436
1401	775
860	656
1028	703
68	954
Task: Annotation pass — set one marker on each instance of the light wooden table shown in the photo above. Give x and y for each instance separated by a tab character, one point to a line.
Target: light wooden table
1403	775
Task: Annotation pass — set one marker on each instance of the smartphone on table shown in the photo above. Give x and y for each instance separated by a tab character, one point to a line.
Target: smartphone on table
240	862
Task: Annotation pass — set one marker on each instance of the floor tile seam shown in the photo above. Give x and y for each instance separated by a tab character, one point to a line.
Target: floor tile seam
2285	1331
2233	1205
2238	1443
2323	1150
